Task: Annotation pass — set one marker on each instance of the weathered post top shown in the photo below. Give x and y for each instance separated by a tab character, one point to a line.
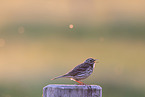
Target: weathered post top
58	90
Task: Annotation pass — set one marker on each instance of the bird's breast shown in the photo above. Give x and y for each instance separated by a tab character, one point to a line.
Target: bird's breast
94	65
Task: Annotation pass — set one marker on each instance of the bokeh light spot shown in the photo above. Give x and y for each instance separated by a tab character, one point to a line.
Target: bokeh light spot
101	39
71	26
21	30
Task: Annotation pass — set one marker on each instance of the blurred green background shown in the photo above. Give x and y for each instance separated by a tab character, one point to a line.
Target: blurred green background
36	44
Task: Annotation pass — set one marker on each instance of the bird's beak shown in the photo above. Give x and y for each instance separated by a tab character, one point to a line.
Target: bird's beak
96	60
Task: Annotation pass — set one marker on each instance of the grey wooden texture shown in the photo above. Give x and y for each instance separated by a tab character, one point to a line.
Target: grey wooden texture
58	90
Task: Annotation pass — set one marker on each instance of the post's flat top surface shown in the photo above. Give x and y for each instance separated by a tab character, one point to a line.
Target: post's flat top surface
66	86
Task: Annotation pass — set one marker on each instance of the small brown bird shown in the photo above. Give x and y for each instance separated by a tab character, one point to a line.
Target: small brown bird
80	72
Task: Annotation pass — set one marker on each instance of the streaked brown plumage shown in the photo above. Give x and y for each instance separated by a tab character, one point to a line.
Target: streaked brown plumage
80	72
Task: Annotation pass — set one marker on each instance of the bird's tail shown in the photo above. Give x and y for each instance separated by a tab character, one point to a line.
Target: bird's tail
58	77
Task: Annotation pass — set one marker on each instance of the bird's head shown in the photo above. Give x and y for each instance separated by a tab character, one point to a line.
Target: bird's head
90	61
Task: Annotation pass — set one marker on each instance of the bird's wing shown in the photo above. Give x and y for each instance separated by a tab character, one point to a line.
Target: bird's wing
78	69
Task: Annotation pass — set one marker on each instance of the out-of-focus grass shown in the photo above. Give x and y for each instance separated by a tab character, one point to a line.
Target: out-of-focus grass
35	90
33	54
112	31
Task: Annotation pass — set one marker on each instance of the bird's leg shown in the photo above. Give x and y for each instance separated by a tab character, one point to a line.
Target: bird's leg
81	83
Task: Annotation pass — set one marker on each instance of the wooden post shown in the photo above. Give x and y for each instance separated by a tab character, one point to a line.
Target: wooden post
57	90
